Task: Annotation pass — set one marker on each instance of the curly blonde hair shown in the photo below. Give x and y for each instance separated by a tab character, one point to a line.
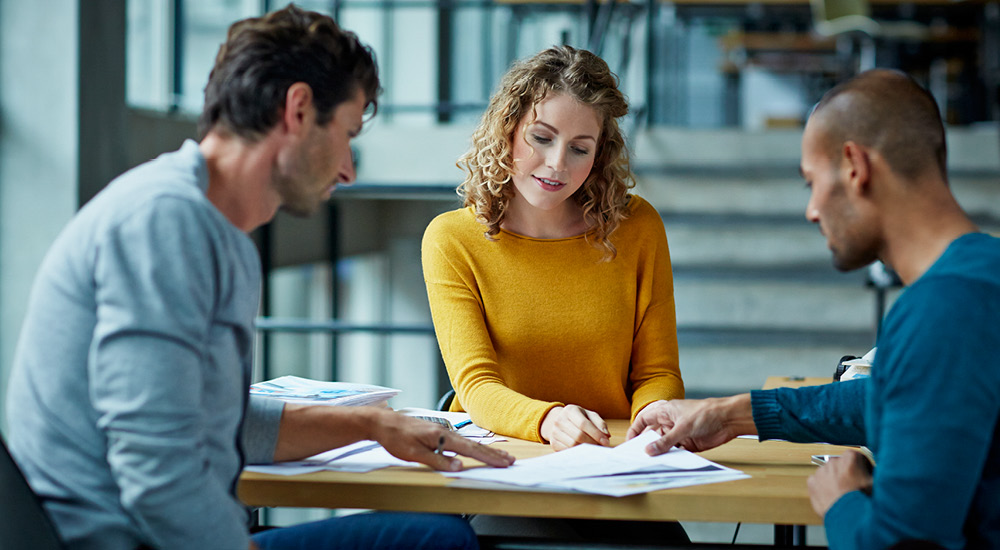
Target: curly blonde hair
489	163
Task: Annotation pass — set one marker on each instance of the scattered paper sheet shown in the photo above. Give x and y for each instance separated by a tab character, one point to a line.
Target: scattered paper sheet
618	471
363	456
614	471
632	484
283	469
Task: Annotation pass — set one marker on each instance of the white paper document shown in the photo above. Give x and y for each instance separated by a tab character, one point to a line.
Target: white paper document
315	392
363	456
632	484
617	471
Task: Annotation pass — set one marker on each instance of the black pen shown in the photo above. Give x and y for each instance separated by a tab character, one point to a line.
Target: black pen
440	447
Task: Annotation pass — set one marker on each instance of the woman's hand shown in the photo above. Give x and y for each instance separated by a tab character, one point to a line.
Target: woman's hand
568	426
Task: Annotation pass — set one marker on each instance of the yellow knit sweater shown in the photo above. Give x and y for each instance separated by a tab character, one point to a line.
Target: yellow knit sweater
529	324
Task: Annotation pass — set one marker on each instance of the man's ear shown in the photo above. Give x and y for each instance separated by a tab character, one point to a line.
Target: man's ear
299	110
856	167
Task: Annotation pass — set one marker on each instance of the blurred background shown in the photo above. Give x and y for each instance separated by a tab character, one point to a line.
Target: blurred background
719	91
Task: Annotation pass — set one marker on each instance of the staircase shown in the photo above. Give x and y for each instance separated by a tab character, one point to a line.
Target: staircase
755	290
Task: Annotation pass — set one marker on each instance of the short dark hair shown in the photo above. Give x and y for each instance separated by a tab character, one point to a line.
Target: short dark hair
263	56
887	111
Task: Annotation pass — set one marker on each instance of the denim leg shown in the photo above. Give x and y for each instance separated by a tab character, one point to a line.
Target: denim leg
378	530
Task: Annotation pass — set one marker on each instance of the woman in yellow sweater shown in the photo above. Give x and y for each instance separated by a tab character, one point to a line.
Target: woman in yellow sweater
551	290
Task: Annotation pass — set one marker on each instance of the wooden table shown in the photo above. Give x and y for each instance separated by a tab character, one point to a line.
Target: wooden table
775	494
795	381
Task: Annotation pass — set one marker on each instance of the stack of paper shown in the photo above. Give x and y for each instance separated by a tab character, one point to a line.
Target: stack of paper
314	392
615	471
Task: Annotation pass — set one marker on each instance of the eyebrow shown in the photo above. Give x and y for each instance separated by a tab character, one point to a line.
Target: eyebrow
553	129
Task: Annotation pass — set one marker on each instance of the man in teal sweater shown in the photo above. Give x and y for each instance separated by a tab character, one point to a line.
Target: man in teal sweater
873	154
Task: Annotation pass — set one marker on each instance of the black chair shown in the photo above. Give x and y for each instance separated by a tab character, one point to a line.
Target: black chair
444	403
23	521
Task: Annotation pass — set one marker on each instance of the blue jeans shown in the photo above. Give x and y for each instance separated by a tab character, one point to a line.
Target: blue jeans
378	530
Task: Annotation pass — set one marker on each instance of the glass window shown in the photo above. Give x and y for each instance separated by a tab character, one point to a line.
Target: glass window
204	28
168	64
148	56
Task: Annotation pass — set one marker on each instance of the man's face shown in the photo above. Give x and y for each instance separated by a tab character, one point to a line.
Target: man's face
849	235
309	173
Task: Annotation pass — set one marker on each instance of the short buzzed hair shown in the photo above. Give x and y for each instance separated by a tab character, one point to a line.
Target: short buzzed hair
263	56
887	111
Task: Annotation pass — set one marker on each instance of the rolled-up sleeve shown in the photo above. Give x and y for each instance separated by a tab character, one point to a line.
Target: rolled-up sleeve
832	413
260	429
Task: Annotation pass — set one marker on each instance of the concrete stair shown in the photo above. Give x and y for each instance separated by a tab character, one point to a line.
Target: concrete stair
759	297
755	291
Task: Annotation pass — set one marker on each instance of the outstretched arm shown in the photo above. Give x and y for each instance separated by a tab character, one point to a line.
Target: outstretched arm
695	425
308	430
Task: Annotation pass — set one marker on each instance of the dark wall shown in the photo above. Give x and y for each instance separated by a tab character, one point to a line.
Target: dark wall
102	129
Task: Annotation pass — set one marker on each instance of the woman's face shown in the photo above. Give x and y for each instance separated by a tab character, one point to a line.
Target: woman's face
554	149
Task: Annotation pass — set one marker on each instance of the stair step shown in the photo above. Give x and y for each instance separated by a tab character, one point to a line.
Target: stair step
718	362
702	336
775	304
820	273
744	241
756	190
741	245
736	194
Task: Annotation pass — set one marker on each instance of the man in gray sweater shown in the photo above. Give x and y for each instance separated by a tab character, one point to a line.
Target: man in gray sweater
128	401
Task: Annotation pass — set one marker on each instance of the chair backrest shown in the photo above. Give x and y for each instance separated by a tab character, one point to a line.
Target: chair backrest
444	403
23	521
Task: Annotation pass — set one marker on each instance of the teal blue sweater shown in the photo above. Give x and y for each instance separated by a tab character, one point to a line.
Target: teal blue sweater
929	413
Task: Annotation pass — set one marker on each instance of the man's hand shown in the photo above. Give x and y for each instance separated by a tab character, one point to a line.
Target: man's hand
851	471
695	425
568	426
416	440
